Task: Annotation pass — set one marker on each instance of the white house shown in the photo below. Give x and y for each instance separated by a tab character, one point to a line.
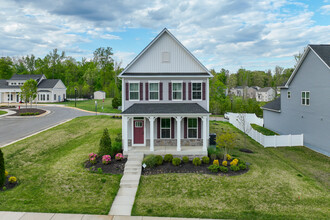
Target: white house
99	95
165	100
266	94
49	90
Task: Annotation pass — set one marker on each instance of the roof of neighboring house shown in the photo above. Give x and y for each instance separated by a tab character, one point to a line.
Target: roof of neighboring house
26	77
43	90
165	108
266	89
165	74
323	51
100	91
273	105
4	85
48	83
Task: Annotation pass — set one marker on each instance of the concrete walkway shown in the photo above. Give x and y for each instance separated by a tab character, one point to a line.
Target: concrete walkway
123	203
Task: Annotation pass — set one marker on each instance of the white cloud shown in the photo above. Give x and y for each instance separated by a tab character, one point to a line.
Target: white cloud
325	9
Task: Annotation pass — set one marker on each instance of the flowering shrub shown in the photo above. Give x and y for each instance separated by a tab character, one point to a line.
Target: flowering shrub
228	157
6	173
92	158
91	155
119	156
234	162
216	162
106	159
12	179
224	163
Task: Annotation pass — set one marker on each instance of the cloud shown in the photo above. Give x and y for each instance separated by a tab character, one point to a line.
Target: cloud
325	9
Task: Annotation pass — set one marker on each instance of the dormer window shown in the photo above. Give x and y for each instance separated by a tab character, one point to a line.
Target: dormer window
165	57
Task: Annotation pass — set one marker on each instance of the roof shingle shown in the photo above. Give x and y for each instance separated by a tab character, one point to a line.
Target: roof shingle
165	108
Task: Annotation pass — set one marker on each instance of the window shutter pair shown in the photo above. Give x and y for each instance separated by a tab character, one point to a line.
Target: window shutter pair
160	91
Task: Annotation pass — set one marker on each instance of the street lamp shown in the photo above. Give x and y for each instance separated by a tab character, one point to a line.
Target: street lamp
75	97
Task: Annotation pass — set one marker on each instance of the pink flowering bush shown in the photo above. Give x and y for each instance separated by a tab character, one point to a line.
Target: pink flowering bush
119	156
106	159
92	158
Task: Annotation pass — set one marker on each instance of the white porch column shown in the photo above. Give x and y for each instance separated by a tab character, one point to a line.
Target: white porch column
204	118
152	119
178	132
125	132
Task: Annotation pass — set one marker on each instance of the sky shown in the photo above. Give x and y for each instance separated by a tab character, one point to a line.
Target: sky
229	34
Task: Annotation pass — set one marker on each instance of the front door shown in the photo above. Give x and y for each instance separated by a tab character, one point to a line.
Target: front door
138	131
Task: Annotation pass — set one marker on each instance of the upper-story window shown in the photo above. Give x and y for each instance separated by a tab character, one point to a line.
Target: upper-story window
177	91
289	94
305	98
196	91
134	91
154	91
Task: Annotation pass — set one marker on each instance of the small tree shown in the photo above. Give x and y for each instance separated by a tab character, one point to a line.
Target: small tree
225	141
244	125
105	144
116	102
29	91
2	170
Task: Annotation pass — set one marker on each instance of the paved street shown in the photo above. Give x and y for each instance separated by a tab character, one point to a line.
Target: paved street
12	129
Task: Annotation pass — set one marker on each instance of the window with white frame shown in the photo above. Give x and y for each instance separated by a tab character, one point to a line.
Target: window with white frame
154	91
134	91
305	98
192	127
165	128
196	91
177	91
289	94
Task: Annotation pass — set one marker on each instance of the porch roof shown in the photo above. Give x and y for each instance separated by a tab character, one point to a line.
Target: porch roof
165	108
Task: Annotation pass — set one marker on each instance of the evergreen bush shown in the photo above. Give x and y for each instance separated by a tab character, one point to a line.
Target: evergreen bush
105	144
2	170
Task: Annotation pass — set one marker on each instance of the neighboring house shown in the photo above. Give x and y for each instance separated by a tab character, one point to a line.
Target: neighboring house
304	106
99	95
266	94
49	90
237	91
248	92
165	99
252	91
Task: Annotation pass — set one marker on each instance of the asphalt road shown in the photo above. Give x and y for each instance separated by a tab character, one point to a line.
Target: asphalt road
12	129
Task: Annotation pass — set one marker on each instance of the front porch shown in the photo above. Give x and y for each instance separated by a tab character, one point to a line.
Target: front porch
162	150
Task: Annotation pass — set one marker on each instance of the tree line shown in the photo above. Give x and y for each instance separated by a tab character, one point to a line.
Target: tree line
87	76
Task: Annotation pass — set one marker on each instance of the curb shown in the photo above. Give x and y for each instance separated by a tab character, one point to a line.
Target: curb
37	116
9	112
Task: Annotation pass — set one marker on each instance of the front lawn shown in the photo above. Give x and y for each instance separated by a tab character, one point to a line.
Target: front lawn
51	174
89	105
282	183
2	112
263	130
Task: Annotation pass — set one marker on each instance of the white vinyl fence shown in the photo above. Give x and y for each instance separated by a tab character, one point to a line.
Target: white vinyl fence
243	122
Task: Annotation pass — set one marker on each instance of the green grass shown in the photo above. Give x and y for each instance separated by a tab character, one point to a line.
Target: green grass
2	112
263	130
282	183
216	115
49	167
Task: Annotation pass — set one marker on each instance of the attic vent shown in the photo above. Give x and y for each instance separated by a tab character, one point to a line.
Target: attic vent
165	57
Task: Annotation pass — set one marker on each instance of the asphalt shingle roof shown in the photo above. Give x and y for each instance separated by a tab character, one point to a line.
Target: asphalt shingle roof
4	85
273	105
165	108
26	77
323	50
48	83
264	89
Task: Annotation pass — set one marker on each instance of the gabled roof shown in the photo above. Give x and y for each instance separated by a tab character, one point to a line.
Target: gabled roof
322	51
266	89
4	85
26	77
274	105
48	83
123	73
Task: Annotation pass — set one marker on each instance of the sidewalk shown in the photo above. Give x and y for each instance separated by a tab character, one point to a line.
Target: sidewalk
58	216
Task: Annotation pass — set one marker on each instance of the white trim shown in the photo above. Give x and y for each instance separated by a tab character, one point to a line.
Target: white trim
192	128
144	132
309	98
192	97
207	90
160	127
168	76
129	91
123	98
272	110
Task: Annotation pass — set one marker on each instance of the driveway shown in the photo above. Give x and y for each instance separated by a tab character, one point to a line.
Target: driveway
12	129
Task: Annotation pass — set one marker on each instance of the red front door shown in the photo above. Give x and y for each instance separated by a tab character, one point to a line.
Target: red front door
138	132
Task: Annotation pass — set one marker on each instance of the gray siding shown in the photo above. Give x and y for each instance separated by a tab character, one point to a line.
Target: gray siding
313	121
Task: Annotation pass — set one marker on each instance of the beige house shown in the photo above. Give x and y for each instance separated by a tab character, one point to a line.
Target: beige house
99	95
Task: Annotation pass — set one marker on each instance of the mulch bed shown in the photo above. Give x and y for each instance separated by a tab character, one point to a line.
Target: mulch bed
8	185
25	110
188	168
114	167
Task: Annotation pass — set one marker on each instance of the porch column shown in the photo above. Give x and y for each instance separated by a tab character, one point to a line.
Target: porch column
125	132
178	132
204	118
152	119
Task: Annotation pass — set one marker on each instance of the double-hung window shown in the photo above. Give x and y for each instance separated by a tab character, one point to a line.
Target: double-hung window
154	91
289	94
165	128
134	91
177	91
192	127
305	98
196	91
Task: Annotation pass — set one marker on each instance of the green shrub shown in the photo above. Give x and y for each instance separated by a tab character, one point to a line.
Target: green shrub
105	144
159	160
116	102
223	169
241	166
213	156
234	168
150	161
116	148
2	170
118	138
206	160
168	158
197	161
185	159
99	170
213	168
29	113
176	161
211	150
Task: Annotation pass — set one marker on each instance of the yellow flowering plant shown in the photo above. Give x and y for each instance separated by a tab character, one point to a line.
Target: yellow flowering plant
234	162
224	163
216	162
6	173
228	157
12	179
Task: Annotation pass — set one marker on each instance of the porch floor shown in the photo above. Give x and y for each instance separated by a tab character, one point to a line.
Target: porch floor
162	150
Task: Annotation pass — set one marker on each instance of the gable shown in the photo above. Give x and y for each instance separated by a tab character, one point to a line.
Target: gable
165	55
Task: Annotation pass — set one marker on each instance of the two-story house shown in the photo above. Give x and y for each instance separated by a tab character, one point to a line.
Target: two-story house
165	100
266	94
49	90
304	104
